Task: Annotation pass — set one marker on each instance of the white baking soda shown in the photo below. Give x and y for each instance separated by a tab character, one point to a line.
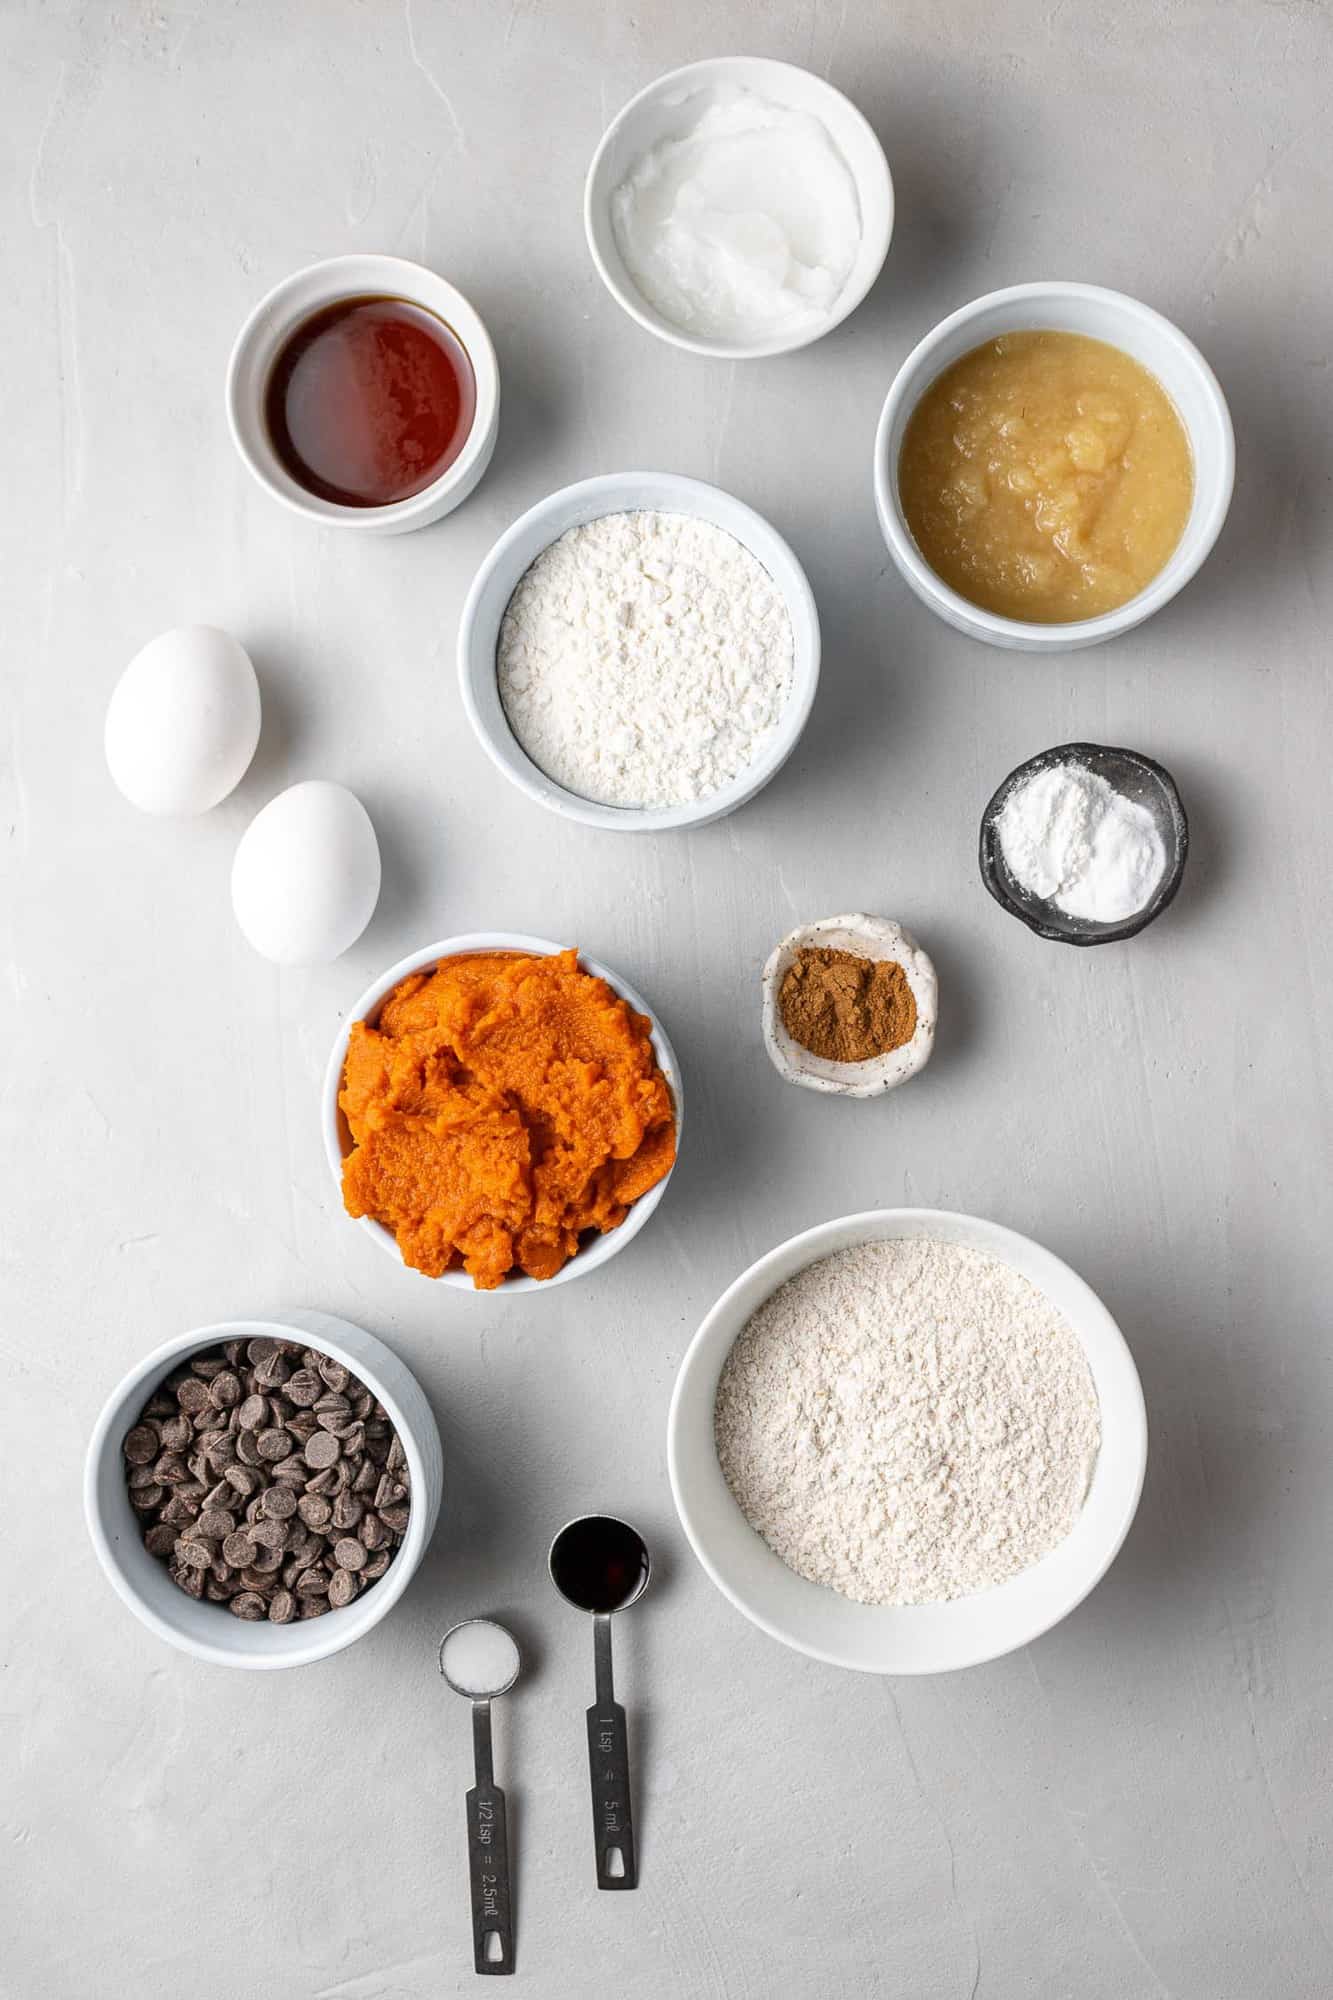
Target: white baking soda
479	1658
745	226
1072	839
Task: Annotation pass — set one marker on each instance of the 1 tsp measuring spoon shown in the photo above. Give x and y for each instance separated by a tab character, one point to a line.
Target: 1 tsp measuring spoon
599	1564
479	1660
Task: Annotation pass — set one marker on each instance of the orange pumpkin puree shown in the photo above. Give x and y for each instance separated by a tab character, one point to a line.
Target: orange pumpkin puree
501	1106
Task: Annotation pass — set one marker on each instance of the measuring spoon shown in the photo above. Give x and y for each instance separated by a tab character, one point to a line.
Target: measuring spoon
599	1564
479	1660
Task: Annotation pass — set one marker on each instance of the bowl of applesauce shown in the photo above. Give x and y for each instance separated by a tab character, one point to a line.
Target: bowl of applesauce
1053	463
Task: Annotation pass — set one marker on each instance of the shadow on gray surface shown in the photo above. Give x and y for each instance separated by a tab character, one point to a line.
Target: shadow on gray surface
412	837
1203	791
530	413
854	742
1280	454
1206	1531
934	214
478	1537
1188	1540
725	1135
960	1031
279	733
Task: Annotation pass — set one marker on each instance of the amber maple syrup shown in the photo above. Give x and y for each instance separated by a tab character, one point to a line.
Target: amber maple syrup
369	400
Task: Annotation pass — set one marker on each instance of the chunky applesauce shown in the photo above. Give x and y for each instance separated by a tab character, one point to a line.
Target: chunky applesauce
1046	476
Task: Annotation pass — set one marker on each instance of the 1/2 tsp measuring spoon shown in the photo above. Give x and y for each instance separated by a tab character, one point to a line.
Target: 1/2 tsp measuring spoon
480	1660
601	1565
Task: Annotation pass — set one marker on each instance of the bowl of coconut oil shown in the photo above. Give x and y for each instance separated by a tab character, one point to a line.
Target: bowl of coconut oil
739	207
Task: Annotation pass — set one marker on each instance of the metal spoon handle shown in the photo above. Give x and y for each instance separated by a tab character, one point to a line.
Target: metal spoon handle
608	1765
488	1856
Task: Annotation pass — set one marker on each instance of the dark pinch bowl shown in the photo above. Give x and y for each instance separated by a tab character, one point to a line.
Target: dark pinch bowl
1138	778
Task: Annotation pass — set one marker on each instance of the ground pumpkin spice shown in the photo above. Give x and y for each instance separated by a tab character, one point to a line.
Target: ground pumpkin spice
844	1008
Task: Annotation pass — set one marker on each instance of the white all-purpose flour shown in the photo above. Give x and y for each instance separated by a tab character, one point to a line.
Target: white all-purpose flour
907	1422
645	659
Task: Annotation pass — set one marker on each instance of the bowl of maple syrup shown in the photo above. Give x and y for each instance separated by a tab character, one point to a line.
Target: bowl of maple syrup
363	392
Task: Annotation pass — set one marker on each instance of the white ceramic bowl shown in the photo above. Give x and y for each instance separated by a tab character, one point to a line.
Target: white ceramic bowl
662	111
1122	322
519	547
919	1638
208	1630
598	1250
307	292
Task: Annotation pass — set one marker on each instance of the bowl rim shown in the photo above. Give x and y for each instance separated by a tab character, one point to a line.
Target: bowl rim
631	300
973	619
602	1248
1133	1442
403	278
584	498
320	1330
994	874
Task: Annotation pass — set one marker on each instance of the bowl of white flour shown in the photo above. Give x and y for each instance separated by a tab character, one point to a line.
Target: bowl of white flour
907	1441
640	652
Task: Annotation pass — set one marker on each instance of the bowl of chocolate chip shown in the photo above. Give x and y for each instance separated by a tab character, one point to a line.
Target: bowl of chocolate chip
261	1492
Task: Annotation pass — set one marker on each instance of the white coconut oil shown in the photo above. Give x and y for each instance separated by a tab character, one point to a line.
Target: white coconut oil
745	226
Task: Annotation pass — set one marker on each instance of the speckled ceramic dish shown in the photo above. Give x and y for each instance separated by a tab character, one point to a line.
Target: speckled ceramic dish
1136	777
866	937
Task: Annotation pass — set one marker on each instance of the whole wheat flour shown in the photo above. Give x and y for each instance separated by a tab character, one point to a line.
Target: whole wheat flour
908	1421
644	659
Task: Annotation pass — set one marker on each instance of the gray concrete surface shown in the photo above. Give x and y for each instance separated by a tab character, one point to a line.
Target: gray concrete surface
1139	1806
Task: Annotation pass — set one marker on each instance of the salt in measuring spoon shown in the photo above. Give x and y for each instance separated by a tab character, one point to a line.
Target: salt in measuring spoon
479	1660
600	1564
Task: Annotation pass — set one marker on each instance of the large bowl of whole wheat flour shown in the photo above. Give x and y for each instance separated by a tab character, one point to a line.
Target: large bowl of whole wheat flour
907	1441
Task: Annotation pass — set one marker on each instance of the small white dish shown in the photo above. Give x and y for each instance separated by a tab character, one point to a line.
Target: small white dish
209	1631
665	109
598	1250
867	937
1102	315
519	547
293	301
916	1638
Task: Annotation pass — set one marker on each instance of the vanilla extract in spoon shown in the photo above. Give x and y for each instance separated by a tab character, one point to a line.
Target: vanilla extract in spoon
599	1564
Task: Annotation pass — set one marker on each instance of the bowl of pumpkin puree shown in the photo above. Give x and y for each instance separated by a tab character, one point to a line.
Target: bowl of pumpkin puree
501	1112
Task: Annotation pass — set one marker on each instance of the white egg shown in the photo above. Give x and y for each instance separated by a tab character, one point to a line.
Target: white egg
183	721
306	877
